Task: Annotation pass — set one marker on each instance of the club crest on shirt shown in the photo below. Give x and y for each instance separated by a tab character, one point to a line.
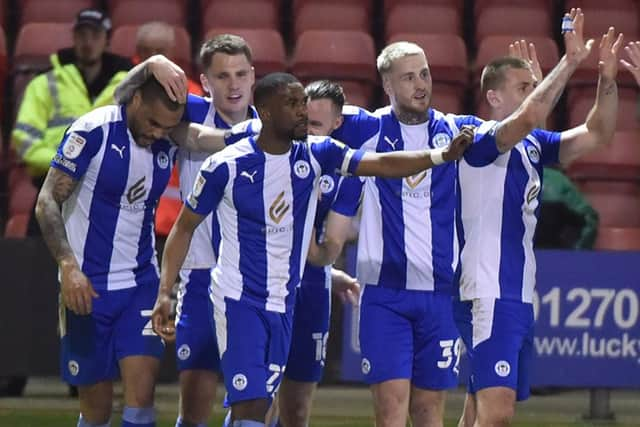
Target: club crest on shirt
326	184
163	160
441	140
302	169
73	146
533	153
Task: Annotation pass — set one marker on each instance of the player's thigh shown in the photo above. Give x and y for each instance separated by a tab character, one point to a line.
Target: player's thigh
196	345
254	345
310	333
436	343
384	325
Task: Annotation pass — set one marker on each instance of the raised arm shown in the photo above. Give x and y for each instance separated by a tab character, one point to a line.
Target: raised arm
537	106
175	251
406	163
77	291
600	124
169	74
196	137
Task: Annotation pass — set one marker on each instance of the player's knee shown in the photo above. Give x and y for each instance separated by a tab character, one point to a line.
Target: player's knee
496	416
295	413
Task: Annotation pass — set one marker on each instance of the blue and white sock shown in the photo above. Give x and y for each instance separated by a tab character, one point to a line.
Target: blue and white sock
247	423
138	417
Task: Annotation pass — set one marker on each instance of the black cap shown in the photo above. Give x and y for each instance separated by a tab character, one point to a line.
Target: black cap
93	17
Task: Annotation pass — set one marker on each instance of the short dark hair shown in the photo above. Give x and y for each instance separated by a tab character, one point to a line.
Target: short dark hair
493	74
229	44
269	85
151	90
326	89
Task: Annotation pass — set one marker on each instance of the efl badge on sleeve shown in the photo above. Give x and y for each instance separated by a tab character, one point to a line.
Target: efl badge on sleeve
73	146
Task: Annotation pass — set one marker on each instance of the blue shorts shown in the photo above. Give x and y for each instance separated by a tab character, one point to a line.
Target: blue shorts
310	332
119	326
406	334
498	335
196	345
254	346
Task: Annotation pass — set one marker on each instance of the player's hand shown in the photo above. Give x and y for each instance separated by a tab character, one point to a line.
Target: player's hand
460	143
527	52
576	49
633	51
77	291
609	46
345	287
172	78
160	317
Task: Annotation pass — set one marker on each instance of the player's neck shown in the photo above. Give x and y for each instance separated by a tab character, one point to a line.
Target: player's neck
272	144
411	117
234	118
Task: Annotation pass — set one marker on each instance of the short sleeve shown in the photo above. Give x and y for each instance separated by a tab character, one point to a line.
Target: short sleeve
335	157
484	150
76	150
550	145
358	126
196	109
347	198
208	188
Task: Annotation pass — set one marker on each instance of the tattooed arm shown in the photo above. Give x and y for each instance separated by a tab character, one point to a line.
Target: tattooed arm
537	106
600	124
169	74
76	289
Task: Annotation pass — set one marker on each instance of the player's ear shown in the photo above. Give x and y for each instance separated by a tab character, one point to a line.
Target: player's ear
204	82
338	122
136	99
493	98
386	84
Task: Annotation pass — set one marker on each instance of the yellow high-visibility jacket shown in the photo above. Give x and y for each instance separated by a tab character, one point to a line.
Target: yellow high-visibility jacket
55	99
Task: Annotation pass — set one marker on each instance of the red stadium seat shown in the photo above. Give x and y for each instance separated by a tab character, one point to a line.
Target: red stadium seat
446	54
357	93
50	10
618	239
423	18
331	16
493	47
581	102
342	55
448	98
136	12
507	20
37	41
599	16
389	5
618	161
617	203
267	47
366	5
22	198
123	42
480	5
250	14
